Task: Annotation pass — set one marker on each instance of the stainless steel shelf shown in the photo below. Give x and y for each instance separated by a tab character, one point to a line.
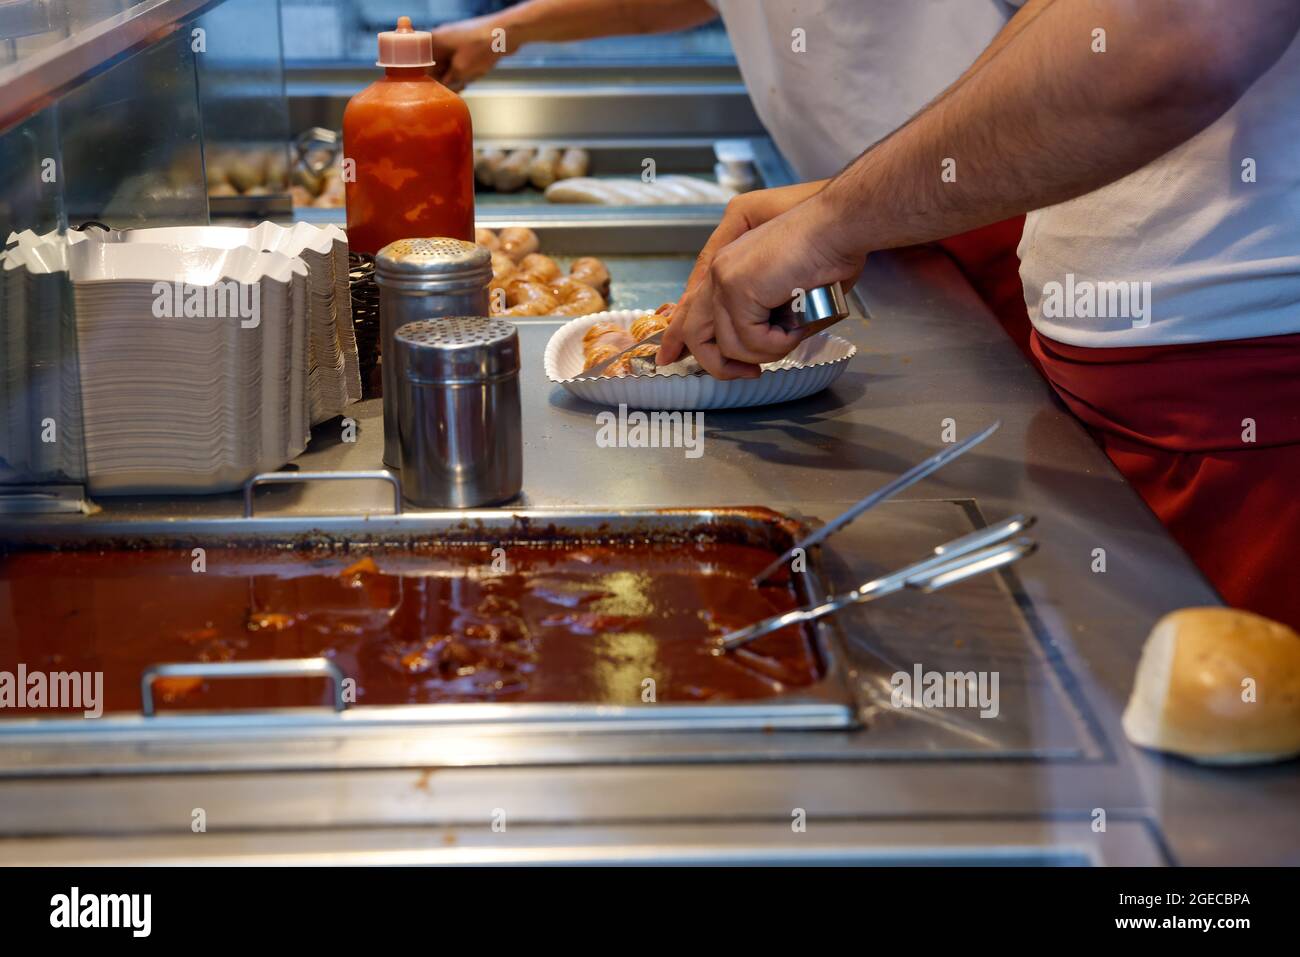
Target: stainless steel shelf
560	110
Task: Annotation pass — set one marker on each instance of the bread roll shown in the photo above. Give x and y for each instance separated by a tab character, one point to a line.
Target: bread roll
1192	696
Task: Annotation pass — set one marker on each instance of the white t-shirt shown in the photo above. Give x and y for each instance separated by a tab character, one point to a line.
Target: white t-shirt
859	70
1221	255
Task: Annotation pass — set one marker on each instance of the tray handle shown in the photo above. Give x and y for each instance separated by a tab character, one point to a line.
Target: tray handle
282	668
291	478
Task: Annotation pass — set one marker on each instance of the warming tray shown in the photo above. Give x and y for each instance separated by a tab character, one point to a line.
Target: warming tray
621	158
827	703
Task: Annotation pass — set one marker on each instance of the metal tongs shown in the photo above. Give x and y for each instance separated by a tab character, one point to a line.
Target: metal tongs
882	494
982	551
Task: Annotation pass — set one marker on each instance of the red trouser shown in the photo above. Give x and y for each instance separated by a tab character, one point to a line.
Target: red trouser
1171	419
1209	435
987	258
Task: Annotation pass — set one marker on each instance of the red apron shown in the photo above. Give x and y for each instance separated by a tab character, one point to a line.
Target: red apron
987	258
1209	435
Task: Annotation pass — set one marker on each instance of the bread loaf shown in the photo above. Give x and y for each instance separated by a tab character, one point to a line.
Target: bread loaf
631	191
1219	686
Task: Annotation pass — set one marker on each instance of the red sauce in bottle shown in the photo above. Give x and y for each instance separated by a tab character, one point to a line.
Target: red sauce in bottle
412	145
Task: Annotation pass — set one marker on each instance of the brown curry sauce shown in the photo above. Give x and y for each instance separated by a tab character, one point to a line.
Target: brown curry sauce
575	623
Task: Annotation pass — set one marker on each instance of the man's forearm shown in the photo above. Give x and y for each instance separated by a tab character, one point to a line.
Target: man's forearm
1023	18
558	21
1046	119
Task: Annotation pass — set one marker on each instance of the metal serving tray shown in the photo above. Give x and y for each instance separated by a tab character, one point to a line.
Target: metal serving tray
625	158
609	158
509	104
826	704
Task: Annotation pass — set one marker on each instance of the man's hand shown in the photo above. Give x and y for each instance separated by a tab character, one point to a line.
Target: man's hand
1040	121
724	318
745	212
463	51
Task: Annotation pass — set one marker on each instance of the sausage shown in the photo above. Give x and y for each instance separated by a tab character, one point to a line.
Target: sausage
485	166
593	272
512	174
527	298
503	268
543	170
542	268
518	241
575	298
574	163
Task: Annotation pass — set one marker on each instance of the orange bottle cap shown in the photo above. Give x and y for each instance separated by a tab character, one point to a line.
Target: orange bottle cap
405	46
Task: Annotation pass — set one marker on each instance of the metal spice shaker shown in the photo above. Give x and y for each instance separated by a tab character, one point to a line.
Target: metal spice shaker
459	414
424	279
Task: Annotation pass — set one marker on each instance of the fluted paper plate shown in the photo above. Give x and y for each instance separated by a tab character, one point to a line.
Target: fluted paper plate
815	364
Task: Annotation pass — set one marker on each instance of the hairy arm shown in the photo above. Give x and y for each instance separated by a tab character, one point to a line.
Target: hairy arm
1044	119
561	20
470	48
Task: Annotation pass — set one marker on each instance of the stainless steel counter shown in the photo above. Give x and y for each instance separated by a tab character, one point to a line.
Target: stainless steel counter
909	786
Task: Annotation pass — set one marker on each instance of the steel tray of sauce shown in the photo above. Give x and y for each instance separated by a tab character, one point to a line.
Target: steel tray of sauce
580	622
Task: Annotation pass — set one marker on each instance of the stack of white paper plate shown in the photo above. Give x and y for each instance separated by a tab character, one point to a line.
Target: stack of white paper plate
334	373
188	359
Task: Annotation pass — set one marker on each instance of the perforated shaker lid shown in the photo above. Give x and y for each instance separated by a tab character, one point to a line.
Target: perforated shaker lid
405	46
457	348
437	258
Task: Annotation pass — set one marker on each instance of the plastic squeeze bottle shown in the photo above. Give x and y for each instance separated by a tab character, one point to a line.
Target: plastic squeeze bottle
412	144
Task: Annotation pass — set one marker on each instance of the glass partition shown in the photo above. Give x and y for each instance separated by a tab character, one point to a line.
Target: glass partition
123	145
245	112
98	153
132	141
29	26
